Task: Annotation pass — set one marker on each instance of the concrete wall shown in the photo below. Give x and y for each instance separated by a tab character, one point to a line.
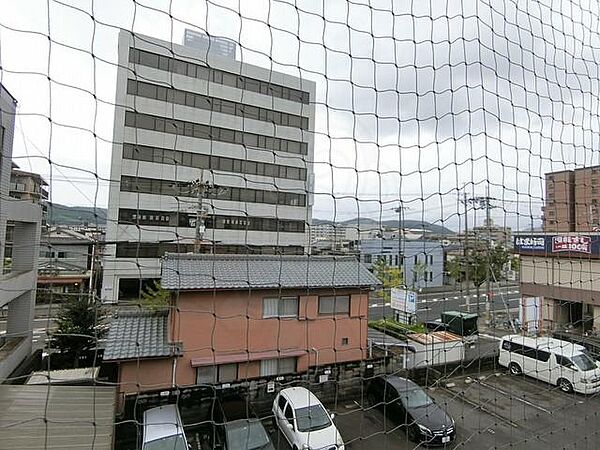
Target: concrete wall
572	273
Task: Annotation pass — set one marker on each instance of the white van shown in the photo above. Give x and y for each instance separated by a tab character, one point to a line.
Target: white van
557	362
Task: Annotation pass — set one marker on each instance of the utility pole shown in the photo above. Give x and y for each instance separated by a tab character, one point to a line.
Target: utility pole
485	202
465	202
399	210
202	189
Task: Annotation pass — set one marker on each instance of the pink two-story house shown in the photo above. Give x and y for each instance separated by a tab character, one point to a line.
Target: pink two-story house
241	317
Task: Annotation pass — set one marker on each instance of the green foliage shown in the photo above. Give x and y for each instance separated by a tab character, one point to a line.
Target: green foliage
155	298
80	323
479	264
396	329
390	277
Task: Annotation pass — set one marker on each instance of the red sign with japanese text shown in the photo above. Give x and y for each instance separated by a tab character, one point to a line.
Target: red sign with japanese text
579	244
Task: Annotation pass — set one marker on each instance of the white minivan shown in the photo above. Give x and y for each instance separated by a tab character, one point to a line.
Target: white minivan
304	421
557	362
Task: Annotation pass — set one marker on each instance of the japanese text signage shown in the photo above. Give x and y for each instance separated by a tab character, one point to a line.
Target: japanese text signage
558	243
404	300
580	244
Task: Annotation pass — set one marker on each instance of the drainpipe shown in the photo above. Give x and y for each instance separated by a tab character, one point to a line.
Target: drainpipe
174	371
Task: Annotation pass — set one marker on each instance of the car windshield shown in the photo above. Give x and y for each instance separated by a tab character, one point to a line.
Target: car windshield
176	442
416	398
246	435
584	362
312	418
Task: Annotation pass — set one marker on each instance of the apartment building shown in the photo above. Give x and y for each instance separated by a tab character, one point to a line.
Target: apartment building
184	115
18	276
235	318
572	200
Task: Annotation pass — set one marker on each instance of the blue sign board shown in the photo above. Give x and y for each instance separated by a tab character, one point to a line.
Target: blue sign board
571	244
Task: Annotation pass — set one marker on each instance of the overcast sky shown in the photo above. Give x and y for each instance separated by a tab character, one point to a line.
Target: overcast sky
414	100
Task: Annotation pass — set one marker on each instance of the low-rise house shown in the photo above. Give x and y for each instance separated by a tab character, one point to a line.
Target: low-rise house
66	262
234	318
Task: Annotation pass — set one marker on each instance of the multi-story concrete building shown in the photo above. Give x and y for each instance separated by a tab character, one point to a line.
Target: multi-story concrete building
29	186
572	200
422	261
19	271
183	115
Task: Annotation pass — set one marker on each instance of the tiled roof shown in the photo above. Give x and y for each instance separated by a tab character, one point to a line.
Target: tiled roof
198	272
138	335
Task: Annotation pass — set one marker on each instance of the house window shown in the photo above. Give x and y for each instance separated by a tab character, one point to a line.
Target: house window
227	373
280	307
281	366
367	259
339	304
345	341
206	375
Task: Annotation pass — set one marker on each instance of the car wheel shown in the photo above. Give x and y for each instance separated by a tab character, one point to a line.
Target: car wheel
413	434
514	369
565	385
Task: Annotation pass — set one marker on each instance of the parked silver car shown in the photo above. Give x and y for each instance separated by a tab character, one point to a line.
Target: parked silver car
163	429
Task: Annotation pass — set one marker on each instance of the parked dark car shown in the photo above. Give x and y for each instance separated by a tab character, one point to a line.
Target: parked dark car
239	427
407	403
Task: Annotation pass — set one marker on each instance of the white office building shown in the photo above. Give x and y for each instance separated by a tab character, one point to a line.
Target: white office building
182	115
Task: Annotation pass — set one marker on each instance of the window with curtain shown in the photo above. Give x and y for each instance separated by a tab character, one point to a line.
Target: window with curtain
280	307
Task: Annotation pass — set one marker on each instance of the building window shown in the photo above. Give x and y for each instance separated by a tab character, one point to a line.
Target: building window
345	341
367	259
416	259
280	307
338	304
181	128
227	373
280	366
206	375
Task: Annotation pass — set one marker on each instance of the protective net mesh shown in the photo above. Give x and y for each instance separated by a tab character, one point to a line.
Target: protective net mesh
363	223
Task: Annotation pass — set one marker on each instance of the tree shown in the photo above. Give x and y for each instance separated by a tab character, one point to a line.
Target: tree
80	324
390	277
418	270
154	297
482	263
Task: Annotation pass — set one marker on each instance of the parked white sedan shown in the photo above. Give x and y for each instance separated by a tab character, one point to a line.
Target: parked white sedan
304	421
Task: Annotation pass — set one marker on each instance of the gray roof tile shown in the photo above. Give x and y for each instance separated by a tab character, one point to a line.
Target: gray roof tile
138	335
198	272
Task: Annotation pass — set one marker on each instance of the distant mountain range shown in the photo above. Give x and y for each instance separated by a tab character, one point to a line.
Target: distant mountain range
75	215
78	215
369	224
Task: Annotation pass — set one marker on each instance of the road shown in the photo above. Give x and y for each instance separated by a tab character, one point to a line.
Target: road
40	325
431	305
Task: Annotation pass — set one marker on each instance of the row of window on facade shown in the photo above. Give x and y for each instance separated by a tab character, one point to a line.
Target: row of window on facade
287	307
201	71
227	373
395	259
188	220
211	162
218	105
212	133
183	189
158	249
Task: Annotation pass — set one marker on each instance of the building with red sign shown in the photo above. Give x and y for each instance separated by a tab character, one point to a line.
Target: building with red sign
560	275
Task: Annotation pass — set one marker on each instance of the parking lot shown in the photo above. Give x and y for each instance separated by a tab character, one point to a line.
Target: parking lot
492	410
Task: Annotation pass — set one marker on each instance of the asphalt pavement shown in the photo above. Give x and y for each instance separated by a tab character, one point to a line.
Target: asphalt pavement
430	305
